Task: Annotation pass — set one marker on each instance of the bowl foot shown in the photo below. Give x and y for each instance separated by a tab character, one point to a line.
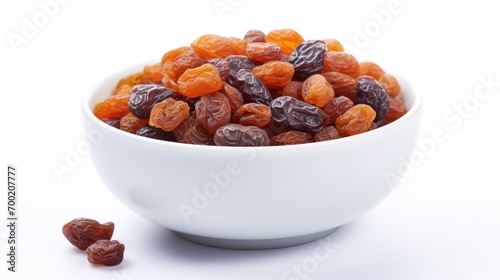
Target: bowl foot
255	244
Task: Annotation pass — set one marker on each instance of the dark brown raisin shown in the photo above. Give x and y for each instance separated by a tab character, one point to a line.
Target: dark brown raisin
239	135
252	88
289	113
308	58
105	252
371	93
213	111
83	232
155	133
144	97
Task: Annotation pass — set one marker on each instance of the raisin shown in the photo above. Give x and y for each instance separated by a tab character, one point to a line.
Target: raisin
252	89
214	46
222	66
341	62
131	123
153	73
169	82
171	55
213	111
291	137
263	52
130	81
289	113
308	58
333	45
342	84
115	106
370	69
181	129
105	252
234	96
370	92
200	81
317	91
274	74
356	120
253	114
198	135
293	89
255	36
113	122
287	39
155	133
390	84
240	46
236	63
396	109
328	132
144	97
336	107
239	135
168	114
184	61
83	232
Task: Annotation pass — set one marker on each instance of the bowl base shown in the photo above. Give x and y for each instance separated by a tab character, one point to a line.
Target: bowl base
255	244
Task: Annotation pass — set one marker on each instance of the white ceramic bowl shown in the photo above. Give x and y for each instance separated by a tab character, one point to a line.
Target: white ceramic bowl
250	197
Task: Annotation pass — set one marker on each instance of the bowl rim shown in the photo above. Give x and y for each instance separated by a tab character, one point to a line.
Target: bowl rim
87	112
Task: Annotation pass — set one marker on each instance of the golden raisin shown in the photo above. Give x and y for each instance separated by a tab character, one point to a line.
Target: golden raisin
390	84
287	39
317	91
200	81
274	74
214	46
170	56
168	114
154	73
370	69
341	62
253	114
356	120
115	106
333	45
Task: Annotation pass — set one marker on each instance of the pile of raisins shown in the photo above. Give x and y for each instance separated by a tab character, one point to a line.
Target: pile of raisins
274	89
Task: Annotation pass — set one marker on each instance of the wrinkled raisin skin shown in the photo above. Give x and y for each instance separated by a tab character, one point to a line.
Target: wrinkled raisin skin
292	137
83	232
252	88
213	111
253	114
239	135
155	133
289	113
308	58
169	113
144	97
105	252
370	92
356	120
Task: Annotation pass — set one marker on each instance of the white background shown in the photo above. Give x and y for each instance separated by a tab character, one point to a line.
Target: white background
442	222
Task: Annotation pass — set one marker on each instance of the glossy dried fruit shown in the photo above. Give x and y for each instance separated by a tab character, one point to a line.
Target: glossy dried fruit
168	114
308	58
213	111
317	91
396	109
191	132
83	232
263	52
287	39
239	135
328	132
153	73
291	137
370	92
234	97
131	123
252	89
390	84
236	63
370	69
199	81
155	133
253	114
254	36
341	62
356	120
214	46
115	106
105	252
222	66
333	45
113	122
144	97
342	84
293	89
274	74
240	45
184	61
171	55
336	107
289	113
